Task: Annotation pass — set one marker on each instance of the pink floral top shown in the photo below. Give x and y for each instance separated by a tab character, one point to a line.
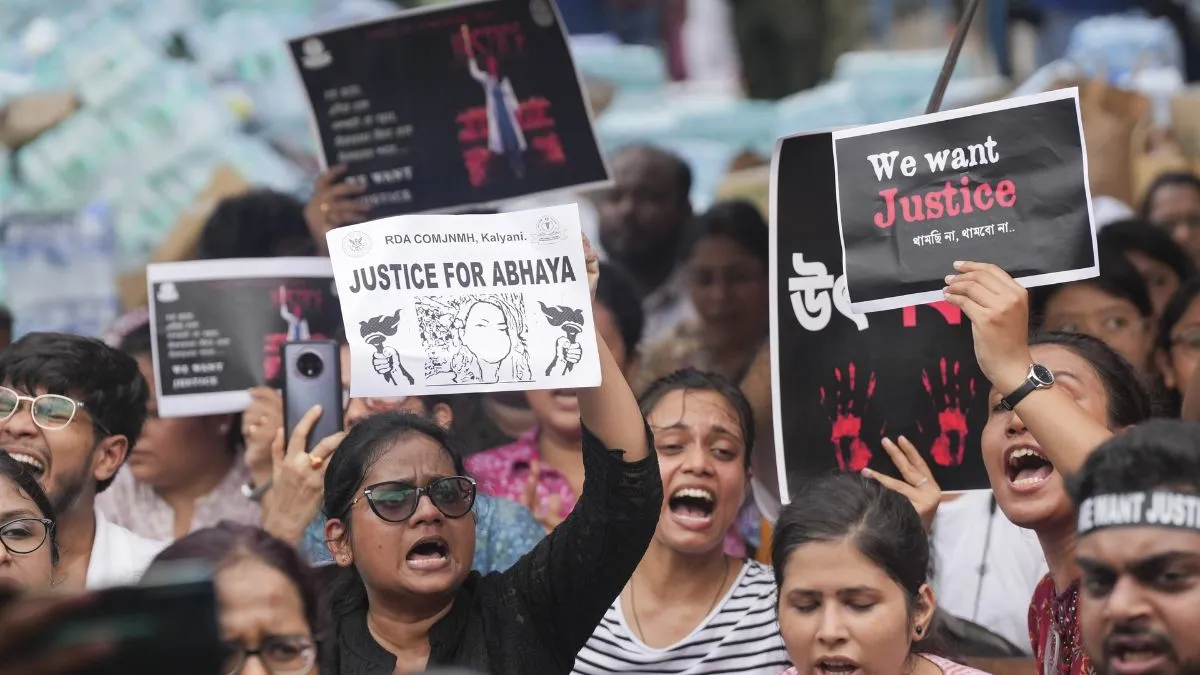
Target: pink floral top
947	667
504	472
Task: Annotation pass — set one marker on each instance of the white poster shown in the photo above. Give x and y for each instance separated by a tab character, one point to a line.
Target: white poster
472	303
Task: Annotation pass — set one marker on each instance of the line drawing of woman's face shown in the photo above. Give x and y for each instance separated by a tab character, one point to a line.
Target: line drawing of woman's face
485	332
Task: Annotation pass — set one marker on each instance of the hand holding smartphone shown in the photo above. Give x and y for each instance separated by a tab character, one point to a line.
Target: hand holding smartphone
312	375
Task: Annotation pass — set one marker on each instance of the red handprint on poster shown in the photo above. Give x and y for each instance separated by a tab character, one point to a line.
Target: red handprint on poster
951	394
846	407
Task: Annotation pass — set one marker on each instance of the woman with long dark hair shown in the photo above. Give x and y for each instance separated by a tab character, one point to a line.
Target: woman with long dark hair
402	533
851	559
1055	398
690	607
725	259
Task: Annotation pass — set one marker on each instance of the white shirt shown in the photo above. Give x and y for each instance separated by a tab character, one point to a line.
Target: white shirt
740	636
119	557
968	538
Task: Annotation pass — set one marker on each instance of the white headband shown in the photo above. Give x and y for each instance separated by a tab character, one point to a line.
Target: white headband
1152	508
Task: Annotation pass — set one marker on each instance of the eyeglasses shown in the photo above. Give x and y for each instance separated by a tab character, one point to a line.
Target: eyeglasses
49	411
396	501
25	535
281	654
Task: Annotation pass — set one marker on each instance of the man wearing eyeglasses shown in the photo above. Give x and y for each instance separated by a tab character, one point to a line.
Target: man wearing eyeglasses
70	410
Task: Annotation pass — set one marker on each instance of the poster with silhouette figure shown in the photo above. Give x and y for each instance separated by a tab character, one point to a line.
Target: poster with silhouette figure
442	107
218	326
1003	182
842	380
475	303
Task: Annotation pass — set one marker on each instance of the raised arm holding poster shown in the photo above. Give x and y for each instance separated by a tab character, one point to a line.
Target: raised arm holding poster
218	326
1004	183
448	106
842	381
466	303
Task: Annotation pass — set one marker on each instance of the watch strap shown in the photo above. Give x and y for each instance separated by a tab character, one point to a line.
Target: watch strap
1027	387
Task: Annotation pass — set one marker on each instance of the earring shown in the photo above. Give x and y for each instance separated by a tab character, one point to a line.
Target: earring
919	631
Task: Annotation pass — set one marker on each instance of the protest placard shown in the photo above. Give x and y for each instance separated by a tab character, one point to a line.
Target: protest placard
466	303
842	381
442	107
218	326
1004	183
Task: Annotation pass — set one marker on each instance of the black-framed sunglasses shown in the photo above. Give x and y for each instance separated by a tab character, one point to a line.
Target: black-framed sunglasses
280	654
25	535
396	501
49	411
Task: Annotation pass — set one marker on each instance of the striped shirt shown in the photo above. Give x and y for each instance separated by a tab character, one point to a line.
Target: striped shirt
740	636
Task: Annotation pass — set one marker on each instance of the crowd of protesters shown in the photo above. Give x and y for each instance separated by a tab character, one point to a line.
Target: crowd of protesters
625	528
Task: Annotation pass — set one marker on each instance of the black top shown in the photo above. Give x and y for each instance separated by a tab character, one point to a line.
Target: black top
535	617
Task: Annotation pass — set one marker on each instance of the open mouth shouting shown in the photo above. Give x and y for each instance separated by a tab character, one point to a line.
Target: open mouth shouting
693	507
1138	654
34	464
1027	467
835	665
429	554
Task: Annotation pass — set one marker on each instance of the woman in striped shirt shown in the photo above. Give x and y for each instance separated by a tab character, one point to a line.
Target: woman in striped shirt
689	608
851	558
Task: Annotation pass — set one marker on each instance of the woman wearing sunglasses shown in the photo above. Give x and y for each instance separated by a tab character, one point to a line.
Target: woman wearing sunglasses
269	612
401	530
30	551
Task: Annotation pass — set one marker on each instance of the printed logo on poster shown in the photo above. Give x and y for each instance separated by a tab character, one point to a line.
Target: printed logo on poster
167	292
548	231
356	244
315	56
541	13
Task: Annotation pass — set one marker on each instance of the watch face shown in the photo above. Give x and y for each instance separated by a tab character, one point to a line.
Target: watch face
1042	374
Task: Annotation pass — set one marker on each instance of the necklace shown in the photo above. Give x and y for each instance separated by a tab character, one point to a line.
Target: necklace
633	604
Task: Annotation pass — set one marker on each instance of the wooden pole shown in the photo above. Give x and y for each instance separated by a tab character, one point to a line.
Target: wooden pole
956	45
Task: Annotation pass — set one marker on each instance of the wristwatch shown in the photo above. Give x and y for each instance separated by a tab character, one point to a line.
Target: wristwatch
1039	377
255	493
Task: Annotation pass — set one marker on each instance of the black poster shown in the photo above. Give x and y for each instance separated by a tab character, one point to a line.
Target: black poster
1003	183
219	324
448	106
842	381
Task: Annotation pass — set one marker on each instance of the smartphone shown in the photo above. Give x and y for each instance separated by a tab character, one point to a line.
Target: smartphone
312	375
168	623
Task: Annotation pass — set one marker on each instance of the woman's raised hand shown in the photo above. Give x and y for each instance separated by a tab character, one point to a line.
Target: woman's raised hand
298	481
918	485
998	308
